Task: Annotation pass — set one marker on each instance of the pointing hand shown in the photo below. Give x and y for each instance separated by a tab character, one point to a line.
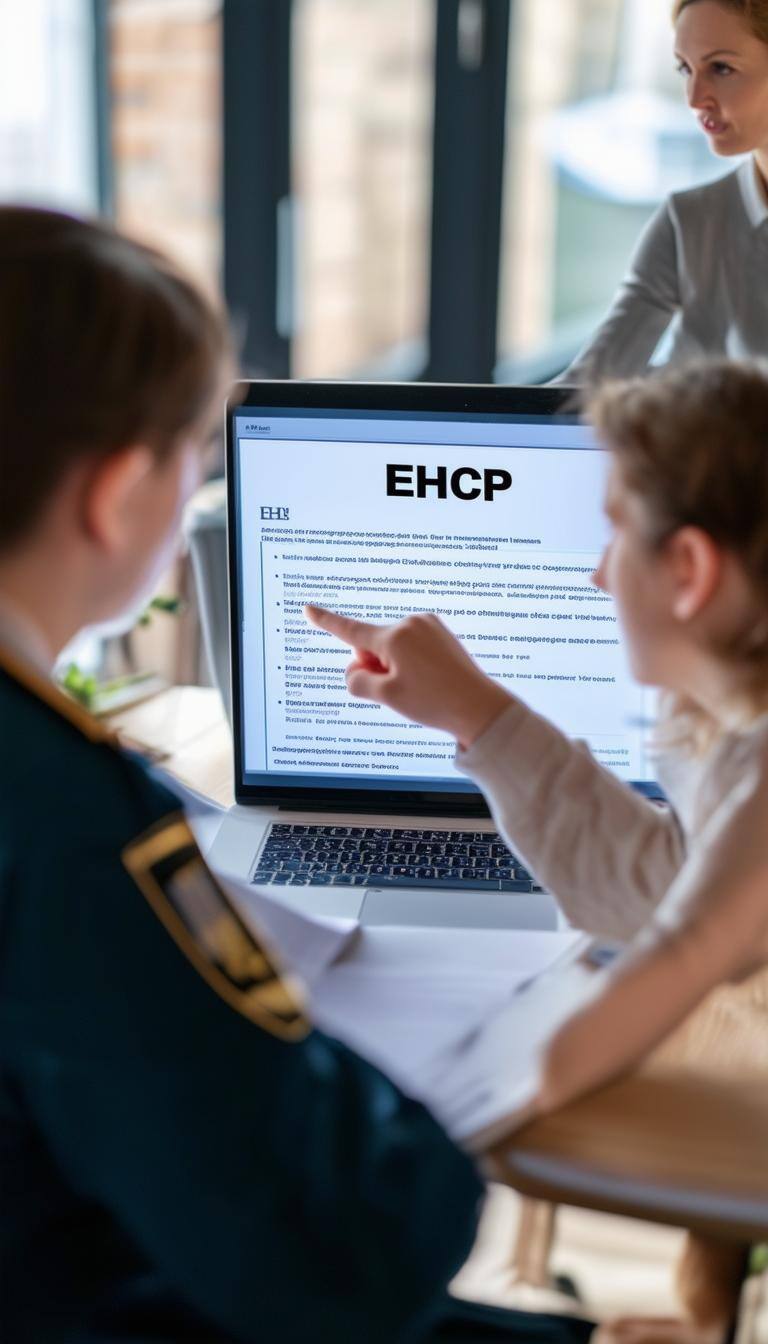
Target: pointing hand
418	668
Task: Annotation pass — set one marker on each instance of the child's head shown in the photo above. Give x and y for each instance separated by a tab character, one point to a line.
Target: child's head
112	368
688	500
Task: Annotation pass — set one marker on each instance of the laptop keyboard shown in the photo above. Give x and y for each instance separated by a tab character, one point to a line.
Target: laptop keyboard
389	856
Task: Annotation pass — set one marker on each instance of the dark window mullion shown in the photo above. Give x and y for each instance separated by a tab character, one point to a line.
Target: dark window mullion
102	107
468	162
256	92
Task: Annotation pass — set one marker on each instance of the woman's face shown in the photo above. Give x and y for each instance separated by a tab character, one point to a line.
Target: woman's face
726	74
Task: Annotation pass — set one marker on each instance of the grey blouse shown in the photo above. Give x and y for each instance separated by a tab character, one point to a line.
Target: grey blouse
701	260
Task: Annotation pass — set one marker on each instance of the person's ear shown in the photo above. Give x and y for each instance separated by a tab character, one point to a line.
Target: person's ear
112	495
695	566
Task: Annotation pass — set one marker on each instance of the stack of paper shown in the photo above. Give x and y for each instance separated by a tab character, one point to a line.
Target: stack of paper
405	997
485	1085
439	1010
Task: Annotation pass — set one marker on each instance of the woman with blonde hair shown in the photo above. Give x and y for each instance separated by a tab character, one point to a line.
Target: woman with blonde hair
701	259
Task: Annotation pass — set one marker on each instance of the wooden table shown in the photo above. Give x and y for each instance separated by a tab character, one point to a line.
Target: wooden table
683	1141
185	730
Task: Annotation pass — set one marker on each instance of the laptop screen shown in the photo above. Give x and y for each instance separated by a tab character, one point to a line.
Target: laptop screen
492	520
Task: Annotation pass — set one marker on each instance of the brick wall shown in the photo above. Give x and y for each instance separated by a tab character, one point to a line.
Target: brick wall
166	76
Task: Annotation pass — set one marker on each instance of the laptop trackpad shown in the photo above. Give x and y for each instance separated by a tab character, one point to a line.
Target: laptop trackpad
458	909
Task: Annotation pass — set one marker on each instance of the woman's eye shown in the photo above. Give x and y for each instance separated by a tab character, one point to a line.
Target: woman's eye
682	68
721	68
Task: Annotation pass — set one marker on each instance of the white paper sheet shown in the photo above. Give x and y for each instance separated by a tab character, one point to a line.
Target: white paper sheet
406	998
489	1081
305	944
202	813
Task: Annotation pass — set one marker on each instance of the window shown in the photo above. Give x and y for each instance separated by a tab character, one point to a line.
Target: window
48	138
362	102
165	78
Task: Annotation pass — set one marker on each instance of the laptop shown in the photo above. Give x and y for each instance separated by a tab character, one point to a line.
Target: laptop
480	503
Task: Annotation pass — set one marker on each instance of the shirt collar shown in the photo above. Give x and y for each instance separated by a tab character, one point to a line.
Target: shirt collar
22	638
752	193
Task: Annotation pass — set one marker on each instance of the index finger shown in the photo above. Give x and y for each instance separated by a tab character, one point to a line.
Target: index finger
358	634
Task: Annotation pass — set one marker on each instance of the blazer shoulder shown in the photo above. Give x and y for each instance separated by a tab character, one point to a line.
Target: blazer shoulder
63	770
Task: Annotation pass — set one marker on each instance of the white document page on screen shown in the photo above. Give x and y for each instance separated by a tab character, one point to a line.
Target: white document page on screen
508	569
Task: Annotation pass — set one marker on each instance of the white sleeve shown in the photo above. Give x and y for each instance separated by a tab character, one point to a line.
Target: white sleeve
607	854
711	928
641	310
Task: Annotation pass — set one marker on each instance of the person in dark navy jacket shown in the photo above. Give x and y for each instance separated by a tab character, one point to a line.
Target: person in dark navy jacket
182	1157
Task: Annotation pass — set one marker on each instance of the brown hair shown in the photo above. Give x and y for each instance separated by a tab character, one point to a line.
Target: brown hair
102	344
692	443
753	12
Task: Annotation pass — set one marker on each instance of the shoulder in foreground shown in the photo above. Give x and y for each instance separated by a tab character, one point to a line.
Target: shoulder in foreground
63	765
